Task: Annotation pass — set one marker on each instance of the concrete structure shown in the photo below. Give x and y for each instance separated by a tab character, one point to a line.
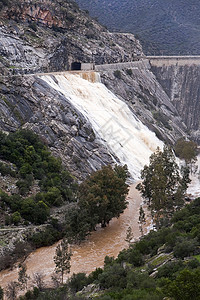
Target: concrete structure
142	64
160	61
79	66
87	66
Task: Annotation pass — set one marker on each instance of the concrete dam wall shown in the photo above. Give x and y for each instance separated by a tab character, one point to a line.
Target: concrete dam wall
180	79
160	61
142	64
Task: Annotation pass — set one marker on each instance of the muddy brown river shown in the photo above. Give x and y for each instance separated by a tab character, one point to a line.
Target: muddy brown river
90	254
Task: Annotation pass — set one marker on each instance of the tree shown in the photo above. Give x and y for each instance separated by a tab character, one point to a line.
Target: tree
38	280
186	286
103	194
16	218
22	276
62	258
1	293
12	290
142	219
129	235
163	185
186	150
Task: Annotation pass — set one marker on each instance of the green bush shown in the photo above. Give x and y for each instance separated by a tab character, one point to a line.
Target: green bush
129	72
78	281
113	276
185	247
46	237
7	170
16	218
33	26
117	74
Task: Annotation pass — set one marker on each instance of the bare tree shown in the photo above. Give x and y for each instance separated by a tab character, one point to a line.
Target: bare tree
38	280
12	290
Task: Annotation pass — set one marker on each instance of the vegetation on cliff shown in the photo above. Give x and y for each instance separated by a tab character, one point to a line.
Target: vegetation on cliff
163	27
33	163
41	184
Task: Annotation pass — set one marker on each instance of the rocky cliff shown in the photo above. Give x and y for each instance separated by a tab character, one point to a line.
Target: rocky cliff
30	103
41	36
181	84
49	35
137	85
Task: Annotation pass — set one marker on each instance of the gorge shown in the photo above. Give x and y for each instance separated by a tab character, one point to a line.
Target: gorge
119	113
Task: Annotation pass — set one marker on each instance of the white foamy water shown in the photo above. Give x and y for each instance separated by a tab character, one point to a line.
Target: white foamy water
194	187
112	120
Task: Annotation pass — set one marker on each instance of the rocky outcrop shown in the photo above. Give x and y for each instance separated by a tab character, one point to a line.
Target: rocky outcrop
40	36
34	105
181	84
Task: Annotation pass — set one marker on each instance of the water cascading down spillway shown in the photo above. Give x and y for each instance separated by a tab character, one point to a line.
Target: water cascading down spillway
113	122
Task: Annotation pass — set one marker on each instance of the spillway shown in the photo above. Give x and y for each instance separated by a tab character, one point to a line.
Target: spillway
114	123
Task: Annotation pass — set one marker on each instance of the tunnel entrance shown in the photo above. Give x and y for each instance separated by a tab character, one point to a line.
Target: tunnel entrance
75	66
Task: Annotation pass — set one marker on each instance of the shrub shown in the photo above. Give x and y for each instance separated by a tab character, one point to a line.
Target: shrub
117	74
77	282
162	118
16	218
185	247
129	72
33	26
113	276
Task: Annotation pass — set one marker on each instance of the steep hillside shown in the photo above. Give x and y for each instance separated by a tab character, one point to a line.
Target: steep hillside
163	27
50	35
43	36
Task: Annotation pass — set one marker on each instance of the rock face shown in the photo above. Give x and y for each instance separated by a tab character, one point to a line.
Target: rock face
50	35
41	36
46	36
137	84
181	84
34	105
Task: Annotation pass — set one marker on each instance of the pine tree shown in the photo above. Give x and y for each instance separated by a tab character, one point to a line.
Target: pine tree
163	185
62	258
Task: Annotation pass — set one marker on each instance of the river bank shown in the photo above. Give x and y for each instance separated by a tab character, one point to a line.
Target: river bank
90	254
